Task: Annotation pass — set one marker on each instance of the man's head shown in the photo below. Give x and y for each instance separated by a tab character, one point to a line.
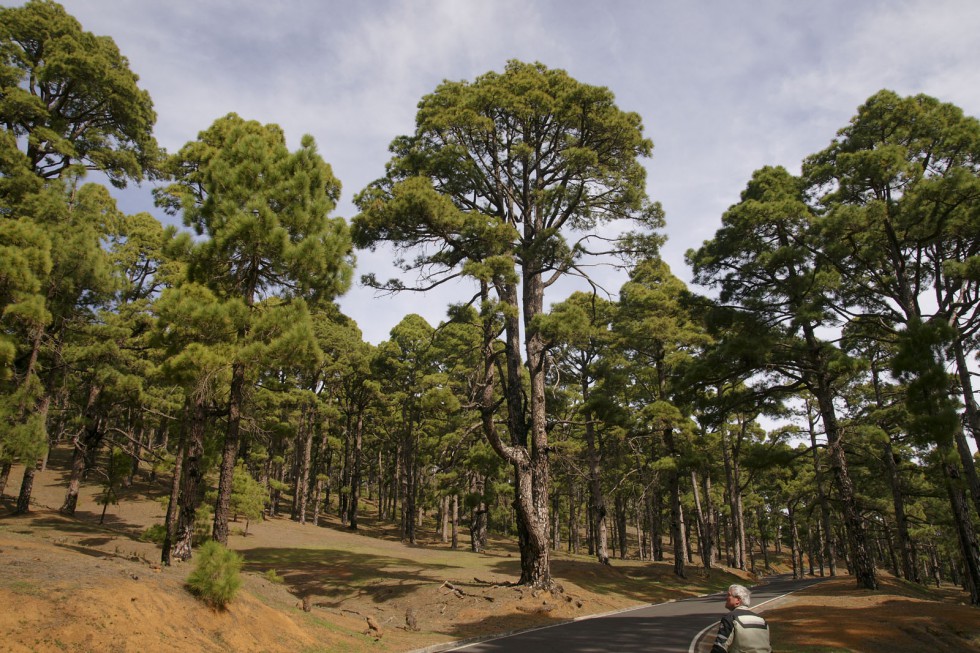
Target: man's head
738	595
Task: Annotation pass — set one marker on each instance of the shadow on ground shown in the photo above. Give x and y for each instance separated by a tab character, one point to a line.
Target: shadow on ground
328	577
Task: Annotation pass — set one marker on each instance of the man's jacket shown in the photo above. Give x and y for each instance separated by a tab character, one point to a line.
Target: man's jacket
742	631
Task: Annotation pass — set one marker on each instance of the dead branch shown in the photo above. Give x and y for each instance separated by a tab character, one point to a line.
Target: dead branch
452	588
460	593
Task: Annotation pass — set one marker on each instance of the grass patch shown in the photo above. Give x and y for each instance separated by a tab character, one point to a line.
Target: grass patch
273	577
26	588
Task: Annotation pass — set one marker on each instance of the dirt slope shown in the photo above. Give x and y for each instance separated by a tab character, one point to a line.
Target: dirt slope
71	584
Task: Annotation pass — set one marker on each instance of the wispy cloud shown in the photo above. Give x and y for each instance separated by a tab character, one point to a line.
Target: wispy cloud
723	87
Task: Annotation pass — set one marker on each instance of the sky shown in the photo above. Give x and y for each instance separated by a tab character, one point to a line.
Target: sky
724	87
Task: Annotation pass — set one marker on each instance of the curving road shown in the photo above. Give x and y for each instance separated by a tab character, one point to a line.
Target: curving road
667	627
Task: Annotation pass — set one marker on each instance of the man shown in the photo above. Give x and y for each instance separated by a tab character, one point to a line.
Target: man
741	630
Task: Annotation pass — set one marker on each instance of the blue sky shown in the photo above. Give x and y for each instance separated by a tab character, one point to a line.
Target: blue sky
723	87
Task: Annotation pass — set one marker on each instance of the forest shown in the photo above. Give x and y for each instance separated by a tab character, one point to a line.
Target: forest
810	394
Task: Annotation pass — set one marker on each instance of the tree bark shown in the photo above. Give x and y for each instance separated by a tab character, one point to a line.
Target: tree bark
4	476
454	522
355	474
655	509
535	490
191	479
705	536
229	453
676	516
170	523
862	563
729	457
597	500
90	440
794	539
574	508
964	525
408	484
971	409
478	516
26	488
30	466
23	504
305	451
528	459
826	540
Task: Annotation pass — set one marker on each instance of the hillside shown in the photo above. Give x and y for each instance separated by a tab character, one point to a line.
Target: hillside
81	586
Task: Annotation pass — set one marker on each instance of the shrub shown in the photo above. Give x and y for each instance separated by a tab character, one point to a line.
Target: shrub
216	578
155	533
273	577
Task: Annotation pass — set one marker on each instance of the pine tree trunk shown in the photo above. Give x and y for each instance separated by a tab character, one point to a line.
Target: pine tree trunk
971	409
90	440
229	454
30	467
455	522
136	455
969	467
596	498
734	493
861	562
305	459
763	540
906	551
355	476
26	488
555	536
443	519
686	529
705	536
676	518
794	540
826	542
621	535
408	513
964	525
4	476
532	535
527	449
170	523
656	520
478	517
382	484
574	509
529	430
191	479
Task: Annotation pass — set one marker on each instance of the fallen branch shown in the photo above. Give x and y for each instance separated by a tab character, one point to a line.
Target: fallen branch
452	588
460	593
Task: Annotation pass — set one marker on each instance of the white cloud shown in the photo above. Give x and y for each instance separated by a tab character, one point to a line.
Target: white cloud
723	87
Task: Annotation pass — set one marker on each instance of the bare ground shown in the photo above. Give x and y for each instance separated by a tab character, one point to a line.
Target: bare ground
71	584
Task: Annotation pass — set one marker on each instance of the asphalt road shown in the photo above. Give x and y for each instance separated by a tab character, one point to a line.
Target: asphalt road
667	627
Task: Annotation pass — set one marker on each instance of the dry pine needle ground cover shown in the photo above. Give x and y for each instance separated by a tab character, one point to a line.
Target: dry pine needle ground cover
70	584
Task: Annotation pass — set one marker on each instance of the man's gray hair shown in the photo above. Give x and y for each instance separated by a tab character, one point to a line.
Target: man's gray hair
742	593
